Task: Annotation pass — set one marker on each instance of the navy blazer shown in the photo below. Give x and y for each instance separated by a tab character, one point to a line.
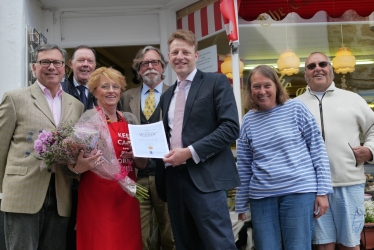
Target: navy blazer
69	87
210	125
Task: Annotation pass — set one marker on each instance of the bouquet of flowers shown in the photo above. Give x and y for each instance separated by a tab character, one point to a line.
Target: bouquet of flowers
90	134
110	169
62	145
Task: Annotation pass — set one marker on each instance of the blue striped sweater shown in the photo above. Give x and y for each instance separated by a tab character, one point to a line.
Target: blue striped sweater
280	152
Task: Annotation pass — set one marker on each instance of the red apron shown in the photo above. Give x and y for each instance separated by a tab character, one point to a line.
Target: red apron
107	217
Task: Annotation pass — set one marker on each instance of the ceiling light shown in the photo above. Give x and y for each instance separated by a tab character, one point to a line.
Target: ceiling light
288	63
344	61
226	67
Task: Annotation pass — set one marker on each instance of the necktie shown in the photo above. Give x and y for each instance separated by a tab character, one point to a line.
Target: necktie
150	104
180	103
83	97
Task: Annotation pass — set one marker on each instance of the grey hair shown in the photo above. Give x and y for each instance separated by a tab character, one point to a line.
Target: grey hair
46	47
140	55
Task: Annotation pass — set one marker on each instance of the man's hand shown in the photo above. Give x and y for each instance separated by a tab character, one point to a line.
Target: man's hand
177	156
362	154
320	205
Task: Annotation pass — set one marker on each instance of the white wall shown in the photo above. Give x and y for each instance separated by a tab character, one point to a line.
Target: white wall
70	29
14	15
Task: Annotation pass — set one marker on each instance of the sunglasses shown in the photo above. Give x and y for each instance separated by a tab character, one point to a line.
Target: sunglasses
312	66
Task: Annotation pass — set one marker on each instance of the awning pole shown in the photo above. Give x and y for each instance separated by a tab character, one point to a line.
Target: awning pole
236	78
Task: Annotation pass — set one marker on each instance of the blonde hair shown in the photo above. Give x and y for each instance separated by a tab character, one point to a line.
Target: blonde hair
95	78
184	35
268	72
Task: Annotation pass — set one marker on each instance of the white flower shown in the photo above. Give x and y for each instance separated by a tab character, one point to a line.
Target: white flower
369	211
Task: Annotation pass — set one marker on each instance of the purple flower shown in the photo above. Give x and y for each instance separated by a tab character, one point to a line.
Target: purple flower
38	146
45	136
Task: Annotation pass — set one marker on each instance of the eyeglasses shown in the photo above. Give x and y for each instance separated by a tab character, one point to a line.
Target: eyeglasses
154	63
46	63
108	86
312	66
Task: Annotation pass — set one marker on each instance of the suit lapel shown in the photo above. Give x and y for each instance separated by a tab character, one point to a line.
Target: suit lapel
134	103
194	89
41	103
164	88
167	97
67	108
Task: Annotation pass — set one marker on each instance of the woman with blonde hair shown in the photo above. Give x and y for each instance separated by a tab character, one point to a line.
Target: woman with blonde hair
108	217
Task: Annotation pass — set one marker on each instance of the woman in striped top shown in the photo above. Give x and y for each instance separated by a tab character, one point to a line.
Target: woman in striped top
283	166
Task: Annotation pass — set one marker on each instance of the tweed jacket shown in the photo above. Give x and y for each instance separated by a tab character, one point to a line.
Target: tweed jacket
23	113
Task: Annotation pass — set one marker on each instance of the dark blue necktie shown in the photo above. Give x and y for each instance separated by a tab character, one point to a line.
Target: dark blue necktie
82	90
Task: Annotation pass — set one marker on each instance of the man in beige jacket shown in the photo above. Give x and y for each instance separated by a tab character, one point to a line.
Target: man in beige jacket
36	202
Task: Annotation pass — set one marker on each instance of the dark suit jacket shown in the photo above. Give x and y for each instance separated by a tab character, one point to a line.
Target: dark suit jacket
69	87
210	125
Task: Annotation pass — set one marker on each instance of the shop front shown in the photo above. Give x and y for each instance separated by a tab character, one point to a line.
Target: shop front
267	29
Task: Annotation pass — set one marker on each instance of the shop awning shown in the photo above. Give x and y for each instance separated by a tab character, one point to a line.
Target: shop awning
278	9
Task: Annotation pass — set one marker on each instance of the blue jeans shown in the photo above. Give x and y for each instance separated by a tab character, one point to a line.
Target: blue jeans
44	230
283	222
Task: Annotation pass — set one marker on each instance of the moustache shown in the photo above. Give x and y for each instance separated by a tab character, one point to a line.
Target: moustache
151	71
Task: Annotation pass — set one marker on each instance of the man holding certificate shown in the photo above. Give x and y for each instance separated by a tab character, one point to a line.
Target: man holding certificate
143	101
201	121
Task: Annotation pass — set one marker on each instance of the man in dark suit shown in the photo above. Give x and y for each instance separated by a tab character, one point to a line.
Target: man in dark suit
201	121
83	63
150	65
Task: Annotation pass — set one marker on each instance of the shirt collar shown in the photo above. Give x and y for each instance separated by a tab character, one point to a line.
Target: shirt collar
47	91
191	76
158	88
331	87
76	84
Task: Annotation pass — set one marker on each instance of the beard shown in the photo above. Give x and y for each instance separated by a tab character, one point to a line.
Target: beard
151	81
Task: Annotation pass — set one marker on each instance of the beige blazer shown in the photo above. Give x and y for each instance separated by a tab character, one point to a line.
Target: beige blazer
23	113
130	101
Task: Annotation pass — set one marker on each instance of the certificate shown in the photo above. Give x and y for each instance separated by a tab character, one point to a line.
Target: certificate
148	140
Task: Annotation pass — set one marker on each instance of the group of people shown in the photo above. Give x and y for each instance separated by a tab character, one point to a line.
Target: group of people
299	162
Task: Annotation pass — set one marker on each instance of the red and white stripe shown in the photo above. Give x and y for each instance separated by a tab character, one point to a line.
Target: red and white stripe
204	22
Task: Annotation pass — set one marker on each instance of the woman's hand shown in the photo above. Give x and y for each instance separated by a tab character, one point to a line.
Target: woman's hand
128	154
86	163
321	205
127	150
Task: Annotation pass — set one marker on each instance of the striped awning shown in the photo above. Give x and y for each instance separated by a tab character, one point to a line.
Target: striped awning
208	20
249	10
203	22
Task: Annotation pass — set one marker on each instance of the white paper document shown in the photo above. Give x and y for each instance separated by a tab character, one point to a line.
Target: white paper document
148	140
